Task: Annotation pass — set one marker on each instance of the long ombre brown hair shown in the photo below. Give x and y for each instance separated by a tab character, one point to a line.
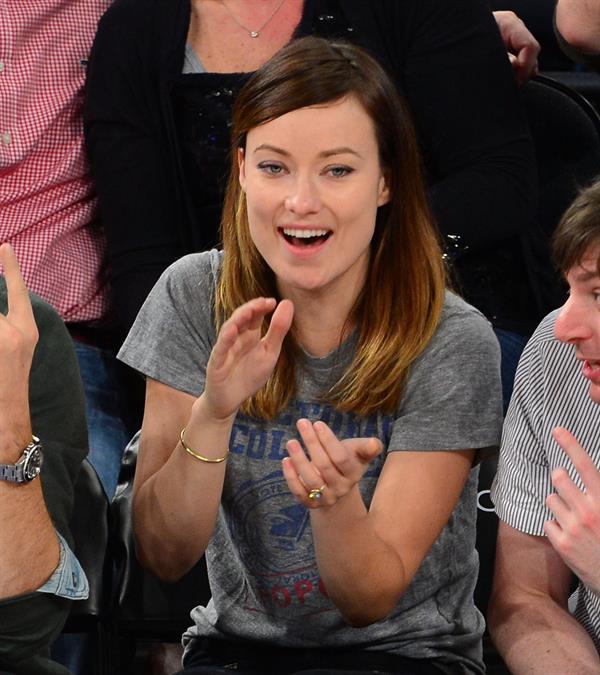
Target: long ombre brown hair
399	307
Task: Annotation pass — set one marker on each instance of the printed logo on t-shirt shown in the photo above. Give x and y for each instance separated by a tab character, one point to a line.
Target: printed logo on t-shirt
271	530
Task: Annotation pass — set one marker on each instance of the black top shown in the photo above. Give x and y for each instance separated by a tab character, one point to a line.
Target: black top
445	56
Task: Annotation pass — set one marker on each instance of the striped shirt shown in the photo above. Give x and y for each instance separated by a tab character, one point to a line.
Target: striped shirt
47	198
549	391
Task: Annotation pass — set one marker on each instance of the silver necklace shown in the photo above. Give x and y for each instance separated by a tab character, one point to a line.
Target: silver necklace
253	33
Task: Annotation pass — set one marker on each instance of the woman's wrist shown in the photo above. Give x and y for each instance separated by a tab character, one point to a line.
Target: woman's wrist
207	434
203	414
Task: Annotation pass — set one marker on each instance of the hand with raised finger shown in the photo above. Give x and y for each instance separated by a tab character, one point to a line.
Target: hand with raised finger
523	49
332	467
242	359
18	338
575	531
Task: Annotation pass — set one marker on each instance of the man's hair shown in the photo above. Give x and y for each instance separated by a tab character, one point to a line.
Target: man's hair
578	230
400	304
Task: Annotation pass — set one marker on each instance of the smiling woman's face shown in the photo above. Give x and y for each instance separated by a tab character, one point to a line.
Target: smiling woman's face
313	183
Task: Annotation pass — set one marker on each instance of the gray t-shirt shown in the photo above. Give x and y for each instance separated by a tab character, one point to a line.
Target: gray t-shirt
263	574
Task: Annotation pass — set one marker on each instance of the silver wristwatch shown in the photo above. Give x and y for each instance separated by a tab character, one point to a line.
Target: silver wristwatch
28	465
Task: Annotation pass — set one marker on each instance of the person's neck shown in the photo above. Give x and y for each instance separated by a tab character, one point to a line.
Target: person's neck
321	320
223	46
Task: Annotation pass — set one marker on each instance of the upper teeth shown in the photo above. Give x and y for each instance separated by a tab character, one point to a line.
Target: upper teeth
304	234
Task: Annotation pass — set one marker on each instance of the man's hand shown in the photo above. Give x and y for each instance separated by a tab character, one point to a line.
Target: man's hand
575	534
18	338
523	49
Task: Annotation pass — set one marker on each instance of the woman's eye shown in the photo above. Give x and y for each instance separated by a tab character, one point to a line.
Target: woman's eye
339	171
596	295
270	168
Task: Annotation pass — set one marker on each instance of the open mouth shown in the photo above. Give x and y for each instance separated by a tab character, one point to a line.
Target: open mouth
591	369
304	238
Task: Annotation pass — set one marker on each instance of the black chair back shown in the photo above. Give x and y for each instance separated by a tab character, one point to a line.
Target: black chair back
146	608
90	529
565	129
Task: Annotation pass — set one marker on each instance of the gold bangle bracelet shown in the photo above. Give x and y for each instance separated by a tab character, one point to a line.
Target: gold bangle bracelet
218	460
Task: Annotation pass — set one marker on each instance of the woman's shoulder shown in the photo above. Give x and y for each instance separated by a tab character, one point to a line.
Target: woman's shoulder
463	348
188	282
194	271
462	324
457	308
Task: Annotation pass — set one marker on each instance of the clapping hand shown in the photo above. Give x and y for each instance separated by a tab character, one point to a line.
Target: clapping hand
575	532
242	360
334	467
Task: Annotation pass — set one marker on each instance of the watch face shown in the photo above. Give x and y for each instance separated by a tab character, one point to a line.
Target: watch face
33	464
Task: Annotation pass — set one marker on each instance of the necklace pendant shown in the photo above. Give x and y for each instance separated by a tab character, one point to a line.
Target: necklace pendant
253	34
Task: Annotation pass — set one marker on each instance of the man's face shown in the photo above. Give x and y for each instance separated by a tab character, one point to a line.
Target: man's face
578	322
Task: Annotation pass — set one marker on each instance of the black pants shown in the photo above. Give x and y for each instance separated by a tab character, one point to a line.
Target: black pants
218	657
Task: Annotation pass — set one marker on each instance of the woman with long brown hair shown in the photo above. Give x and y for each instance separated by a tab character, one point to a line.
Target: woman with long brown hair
316	397
161	82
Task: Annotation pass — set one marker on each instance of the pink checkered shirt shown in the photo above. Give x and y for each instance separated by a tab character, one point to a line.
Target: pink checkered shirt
47	199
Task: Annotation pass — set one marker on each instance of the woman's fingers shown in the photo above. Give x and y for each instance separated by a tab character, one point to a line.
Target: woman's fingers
281	322
349	456
303	478
332	468
241	330
325	451
242	359
250	315
365	449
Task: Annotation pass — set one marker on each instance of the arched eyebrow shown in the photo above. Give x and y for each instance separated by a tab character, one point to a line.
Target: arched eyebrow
344	150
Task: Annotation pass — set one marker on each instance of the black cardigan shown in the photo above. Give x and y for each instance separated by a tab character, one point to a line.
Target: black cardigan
446	56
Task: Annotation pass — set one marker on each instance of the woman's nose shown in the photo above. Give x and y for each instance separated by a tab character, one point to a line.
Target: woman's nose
303	198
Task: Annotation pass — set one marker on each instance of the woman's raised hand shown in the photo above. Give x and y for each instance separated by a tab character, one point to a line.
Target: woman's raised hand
241	360
334	467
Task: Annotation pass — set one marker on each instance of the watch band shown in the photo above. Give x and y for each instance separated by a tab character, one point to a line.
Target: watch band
19	472
13	473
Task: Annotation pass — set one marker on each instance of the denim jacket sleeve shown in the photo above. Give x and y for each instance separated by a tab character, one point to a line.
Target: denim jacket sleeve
68	579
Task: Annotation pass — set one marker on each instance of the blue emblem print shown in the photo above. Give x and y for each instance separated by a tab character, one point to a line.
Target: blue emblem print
271	530
288	526
276	547
273	526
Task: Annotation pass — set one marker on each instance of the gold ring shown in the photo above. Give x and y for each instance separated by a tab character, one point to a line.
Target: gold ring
317	493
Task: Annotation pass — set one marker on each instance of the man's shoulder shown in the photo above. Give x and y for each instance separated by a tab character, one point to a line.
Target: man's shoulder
546	351
545	330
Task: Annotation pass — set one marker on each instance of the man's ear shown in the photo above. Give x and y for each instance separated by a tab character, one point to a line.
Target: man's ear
384	191
242	168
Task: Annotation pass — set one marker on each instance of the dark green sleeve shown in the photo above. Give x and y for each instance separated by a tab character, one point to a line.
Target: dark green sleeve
29	623
57	413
